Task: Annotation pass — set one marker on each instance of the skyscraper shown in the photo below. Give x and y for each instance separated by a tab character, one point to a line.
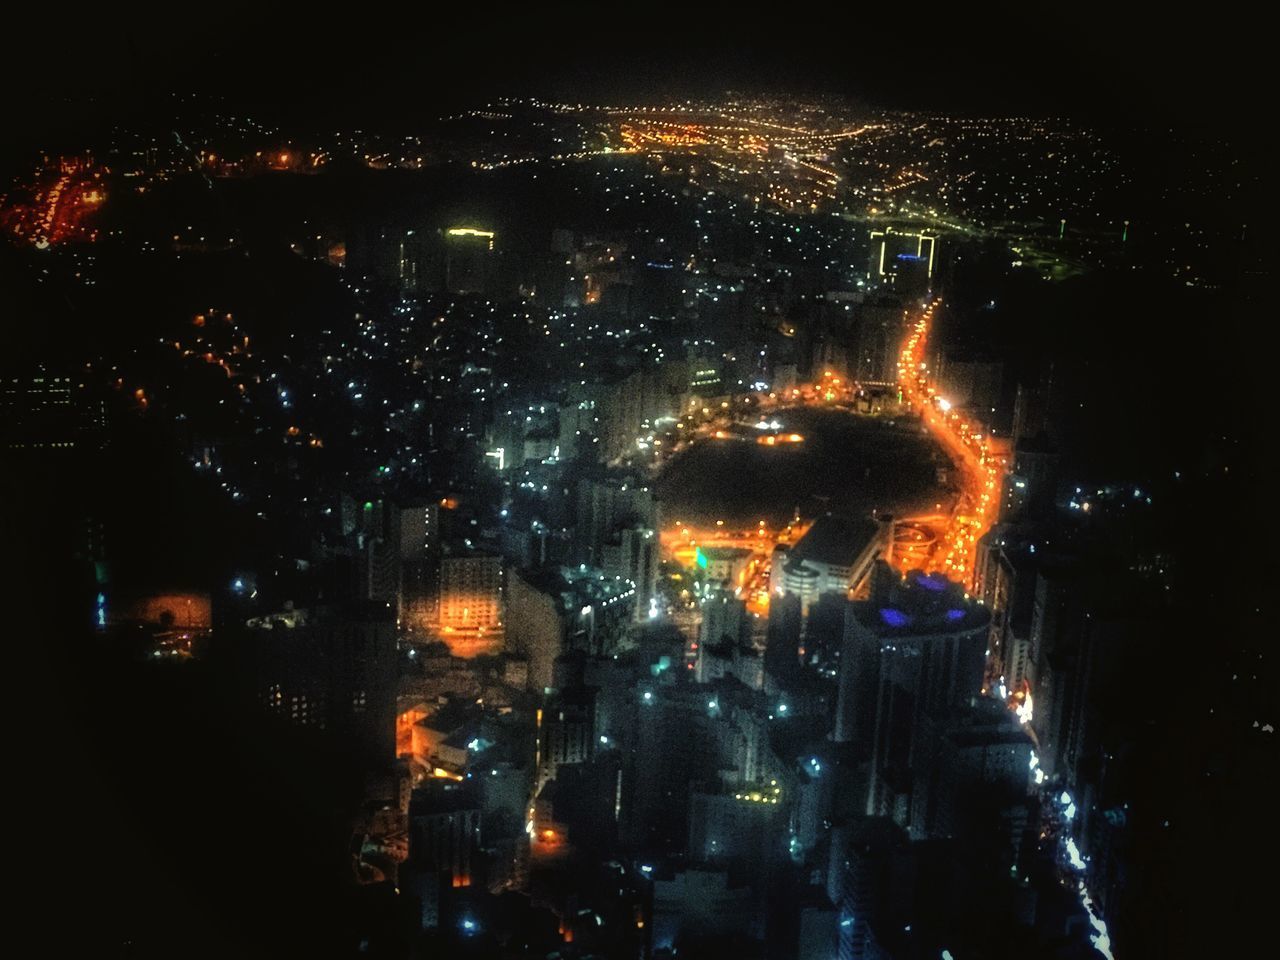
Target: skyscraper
468	259
913	654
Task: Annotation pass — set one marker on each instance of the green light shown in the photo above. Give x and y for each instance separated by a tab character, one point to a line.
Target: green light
700	558
368	505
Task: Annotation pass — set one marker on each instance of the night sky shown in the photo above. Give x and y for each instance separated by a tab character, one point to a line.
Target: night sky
1092	61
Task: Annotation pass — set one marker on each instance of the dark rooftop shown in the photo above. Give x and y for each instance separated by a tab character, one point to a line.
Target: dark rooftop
837	541
921	604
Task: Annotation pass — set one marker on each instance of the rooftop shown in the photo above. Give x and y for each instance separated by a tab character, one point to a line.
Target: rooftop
921	604
837	541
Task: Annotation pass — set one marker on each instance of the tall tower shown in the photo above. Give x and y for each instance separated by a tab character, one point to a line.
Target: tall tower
912	655
468	259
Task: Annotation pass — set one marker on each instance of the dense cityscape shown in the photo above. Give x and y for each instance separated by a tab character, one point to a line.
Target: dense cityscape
754	525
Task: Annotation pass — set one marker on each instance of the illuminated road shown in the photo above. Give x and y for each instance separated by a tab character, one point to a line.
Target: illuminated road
681	542
56	210
973	453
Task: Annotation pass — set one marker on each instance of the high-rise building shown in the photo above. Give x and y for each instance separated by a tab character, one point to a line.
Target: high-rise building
903	261
631	554
786	625
912	655
615	529
43	411
725	629
982	778
471	602
1030	487
736	828
556	610
970	380
418	543
859	882
703	903
566	731
444	832
878	337
607	502
468	259
419	534
409	260
327	669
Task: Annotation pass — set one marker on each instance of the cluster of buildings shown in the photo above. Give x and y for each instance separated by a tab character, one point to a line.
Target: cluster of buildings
463	595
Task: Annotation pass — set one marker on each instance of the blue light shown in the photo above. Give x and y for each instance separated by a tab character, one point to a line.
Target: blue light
932	581
955	614
894	617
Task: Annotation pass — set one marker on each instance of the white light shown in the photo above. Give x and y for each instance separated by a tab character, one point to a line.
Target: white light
1073	854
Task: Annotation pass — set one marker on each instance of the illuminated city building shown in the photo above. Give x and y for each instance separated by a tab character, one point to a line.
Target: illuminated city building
835	555
902	261
43	412
471	602
468	259
914	653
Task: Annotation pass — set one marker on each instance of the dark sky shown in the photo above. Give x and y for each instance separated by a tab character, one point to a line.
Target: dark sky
1091	60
